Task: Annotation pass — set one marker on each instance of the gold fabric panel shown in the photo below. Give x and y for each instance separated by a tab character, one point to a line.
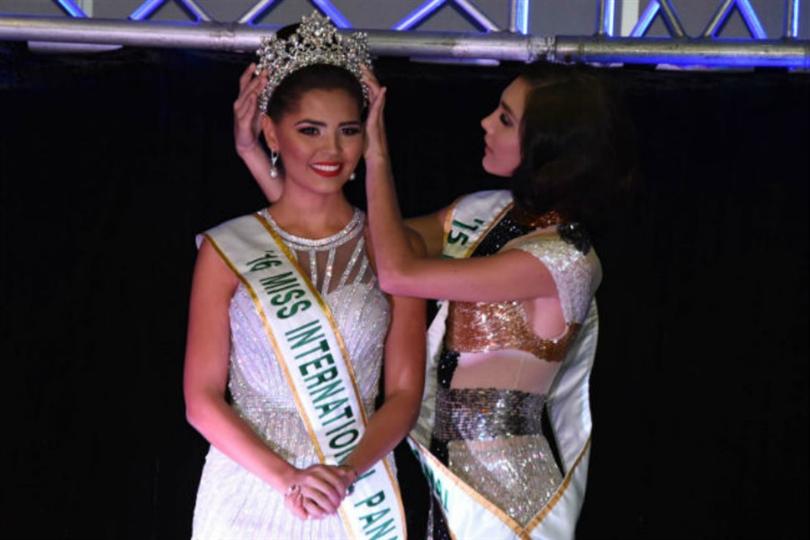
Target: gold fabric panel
492	326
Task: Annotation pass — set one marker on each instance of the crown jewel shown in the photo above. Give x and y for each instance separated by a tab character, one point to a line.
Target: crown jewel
315	41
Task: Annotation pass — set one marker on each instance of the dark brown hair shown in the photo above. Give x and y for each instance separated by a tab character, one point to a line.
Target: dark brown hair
577	148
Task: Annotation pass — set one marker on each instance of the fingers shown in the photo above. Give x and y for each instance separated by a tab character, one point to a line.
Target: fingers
295	504
313	510
324	486
375	111
249	85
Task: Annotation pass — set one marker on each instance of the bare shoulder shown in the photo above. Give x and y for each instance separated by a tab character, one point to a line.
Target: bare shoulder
210	270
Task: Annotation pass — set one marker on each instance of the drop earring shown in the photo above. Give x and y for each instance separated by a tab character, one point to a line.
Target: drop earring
273	161
352	176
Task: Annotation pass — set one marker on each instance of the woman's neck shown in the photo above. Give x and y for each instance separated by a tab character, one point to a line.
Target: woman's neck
311	215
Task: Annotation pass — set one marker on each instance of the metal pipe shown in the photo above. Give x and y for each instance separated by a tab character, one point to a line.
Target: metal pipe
71	8
197	10
791	19
497	46
333	13
477	15
749	15
718	18
671	19
604	17
669	15
519	16
418	15
684	52
254	11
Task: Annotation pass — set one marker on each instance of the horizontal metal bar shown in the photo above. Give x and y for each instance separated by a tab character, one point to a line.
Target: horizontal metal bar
496	45
685	52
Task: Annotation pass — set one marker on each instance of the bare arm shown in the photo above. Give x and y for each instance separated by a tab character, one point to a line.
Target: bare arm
204	380
511	275
246	129
404	371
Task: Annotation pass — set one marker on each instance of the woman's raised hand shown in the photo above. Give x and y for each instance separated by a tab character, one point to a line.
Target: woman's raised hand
376	142
317	491
246	114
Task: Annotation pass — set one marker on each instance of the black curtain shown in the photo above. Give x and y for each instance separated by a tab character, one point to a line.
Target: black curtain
111	163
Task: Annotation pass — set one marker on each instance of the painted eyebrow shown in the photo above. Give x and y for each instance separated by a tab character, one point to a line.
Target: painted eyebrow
323	124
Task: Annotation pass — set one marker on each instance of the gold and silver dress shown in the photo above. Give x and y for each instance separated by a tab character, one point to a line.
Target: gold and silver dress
232	503
488	430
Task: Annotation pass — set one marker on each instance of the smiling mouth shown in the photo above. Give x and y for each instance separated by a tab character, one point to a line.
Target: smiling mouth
328	170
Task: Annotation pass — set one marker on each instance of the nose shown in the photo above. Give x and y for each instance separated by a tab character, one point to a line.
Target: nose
334	144
486	122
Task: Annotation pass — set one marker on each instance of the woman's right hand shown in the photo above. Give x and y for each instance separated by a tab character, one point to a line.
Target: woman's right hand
376	150
320	490
246	114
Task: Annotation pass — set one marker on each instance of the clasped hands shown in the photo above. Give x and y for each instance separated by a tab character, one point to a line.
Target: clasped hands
317	491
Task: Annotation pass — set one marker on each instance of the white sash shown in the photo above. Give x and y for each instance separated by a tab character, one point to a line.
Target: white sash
469	515
315	362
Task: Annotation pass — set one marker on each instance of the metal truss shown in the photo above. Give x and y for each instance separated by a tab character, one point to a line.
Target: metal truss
491	42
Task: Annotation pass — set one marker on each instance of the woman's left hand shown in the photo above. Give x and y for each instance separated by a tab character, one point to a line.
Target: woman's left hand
376	142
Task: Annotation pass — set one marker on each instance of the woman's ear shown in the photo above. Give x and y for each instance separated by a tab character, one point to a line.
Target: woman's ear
269	132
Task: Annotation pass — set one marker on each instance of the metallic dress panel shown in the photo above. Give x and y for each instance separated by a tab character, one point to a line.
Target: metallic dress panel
232	503
492	438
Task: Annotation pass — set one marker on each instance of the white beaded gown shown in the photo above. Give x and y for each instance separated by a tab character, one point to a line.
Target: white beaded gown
232	503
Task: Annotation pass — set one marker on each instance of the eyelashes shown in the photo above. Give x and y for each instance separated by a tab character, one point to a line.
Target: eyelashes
505	120
312	131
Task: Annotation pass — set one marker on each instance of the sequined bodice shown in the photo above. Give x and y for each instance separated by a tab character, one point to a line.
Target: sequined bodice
492	326
339	268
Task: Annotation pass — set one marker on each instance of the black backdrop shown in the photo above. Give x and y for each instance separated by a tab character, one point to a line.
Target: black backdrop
109	164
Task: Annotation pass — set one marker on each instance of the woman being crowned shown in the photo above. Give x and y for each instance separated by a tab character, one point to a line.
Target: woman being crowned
287	316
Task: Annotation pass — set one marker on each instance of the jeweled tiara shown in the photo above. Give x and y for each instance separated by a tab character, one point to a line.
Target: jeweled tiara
315	41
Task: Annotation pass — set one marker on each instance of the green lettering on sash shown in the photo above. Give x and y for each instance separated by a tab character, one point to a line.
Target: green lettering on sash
344	439
380	530
372	500
372	518
335	430
340	456
463	225
281	299
347	413
327	391
304	368
457	237
326	408
268	260
287	312
304	334
323	346
279	282
321	377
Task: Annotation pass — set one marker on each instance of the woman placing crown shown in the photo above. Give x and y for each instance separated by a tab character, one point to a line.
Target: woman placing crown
519	273
287	316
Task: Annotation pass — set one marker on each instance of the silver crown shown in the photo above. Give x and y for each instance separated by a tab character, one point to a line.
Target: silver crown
315	41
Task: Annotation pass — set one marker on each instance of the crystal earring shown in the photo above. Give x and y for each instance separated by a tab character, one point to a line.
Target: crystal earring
352	176
273	161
